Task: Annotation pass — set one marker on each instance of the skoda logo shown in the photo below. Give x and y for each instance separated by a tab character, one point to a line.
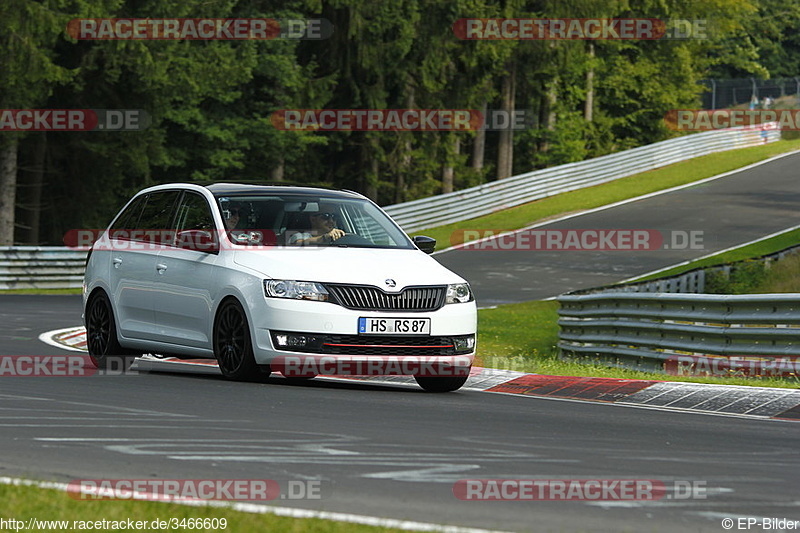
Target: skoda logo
390	282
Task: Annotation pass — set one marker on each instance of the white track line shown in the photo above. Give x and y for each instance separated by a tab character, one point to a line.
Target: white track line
376	521
781	232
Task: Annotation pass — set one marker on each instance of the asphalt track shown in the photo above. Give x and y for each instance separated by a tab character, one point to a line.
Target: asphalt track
395	451
729	211
386	451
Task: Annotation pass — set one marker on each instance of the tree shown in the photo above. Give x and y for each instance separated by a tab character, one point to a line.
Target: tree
29	31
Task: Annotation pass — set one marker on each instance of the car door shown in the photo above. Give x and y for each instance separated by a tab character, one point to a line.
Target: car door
185	280
135	239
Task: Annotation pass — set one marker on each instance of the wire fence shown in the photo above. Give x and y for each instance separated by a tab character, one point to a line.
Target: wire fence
724	94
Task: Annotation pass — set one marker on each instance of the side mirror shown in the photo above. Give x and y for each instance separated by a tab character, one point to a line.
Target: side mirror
426	244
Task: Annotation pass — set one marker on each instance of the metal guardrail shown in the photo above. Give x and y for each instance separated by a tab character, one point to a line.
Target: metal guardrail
642	328
517	190
41	267
648	326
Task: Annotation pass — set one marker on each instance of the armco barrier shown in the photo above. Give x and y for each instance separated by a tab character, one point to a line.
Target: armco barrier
41	267
650	323
653	328
516	190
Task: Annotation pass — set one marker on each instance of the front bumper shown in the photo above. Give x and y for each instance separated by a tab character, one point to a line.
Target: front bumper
331	332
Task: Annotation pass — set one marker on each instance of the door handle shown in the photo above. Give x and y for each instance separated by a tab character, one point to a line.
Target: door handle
117	261
161	267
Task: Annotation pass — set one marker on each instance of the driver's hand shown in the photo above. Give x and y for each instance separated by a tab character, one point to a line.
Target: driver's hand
334	234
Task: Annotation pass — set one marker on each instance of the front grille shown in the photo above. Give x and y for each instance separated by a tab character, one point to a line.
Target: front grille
375	345
326	344
369	298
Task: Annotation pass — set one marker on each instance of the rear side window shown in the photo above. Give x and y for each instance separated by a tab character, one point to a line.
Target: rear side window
158	211
194	214
147	219
129	218
194	225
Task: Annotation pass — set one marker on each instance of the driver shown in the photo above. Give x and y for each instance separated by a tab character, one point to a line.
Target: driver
323	228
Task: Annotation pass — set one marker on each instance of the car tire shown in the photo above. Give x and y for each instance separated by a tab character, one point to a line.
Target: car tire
102	344
233	346
441	384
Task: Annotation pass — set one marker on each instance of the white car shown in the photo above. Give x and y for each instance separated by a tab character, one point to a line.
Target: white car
301	281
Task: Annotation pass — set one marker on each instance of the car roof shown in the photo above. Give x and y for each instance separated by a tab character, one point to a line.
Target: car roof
236	189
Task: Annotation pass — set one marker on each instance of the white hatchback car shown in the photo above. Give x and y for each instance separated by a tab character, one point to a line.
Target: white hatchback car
298	280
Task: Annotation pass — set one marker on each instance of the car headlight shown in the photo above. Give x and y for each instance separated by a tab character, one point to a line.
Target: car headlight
295	290
458	293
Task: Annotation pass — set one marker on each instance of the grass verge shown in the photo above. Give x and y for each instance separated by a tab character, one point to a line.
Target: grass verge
40	291
23	503
608	193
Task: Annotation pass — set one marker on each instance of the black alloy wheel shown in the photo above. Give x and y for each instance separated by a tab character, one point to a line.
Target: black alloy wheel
233	346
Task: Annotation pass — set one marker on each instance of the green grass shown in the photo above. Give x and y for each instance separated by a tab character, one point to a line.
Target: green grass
22	503
781	277
756	277
40	291
608	193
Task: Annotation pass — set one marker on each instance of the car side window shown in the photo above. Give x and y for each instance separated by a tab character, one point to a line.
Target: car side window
194	225
194	214
128	219
158	211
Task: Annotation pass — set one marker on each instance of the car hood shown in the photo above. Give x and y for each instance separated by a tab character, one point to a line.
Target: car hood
362	266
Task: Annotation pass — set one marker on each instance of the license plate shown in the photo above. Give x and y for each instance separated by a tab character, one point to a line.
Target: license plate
394	326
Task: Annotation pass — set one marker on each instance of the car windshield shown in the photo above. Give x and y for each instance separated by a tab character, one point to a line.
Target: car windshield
294	220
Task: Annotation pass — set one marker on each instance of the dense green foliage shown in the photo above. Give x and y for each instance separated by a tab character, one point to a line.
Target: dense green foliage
755	277
211	101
